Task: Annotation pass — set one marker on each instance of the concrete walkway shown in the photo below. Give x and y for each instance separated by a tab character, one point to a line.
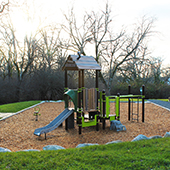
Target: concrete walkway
163	104
5	115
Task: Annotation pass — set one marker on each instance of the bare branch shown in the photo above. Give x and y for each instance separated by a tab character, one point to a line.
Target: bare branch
3	5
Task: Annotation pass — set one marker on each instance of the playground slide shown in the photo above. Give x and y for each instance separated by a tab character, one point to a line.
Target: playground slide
55	123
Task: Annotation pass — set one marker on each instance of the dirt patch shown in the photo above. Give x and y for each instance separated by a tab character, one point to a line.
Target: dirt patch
17	132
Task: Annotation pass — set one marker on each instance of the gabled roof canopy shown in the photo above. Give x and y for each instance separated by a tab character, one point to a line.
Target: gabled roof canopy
74	62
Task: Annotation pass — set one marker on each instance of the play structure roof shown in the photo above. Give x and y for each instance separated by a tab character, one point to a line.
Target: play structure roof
75	62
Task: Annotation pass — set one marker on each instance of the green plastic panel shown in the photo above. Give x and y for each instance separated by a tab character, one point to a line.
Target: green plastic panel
73	95
101	103
89	123
112	118
117	106
107	107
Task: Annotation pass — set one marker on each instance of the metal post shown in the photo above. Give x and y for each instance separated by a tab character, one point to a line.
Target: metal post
66	86
97	98
65	89
104	108
143	103
118	106
97	87
129	91
138	110
79	104
97	125
82	88
82	78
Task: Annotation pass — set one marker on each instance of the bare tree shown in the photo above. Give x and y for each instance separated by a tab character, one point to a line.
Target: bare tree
8	45
79	34
166	74
3	6
156	72
138	68
113	50
15	55
117	53
99	27
25	57
51	47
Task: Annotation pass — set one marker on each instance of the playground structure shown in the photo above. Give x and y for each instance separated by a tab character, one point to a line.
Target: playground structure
90	105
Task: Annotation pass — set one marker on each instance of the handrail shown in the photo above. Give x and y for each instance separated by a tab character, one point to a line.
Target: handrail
128	96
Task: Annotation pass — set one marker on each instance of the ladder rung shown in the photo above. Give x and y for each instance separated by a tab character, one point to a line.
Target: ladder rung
135	114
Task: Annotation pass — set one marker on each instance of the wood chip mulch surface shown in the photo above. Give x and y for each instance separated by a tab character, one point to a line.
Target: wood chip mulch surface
17	132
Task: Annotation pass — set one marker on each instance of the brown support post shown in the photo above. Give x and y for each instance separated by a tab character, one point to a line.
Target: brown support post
82	87
143	104
97	78
79	103
97	86
129	91
97	104
104	108
82	78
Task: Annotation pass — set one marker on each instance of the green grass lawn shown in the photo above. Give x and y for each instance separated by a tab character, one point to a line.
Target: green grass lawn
15	107
146	154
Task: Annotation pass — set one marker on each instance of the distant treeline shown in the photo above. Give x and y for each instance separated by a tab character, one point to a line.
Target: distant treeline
49	85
